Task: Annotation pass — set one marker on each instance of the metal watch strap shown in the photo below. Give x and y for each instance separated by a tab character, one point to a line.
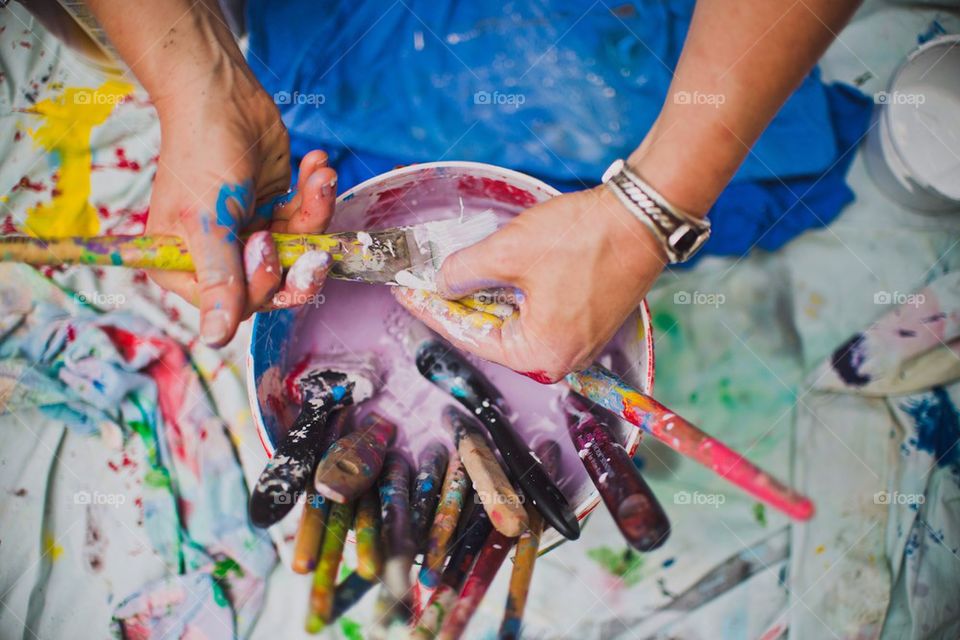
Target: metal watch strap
679	233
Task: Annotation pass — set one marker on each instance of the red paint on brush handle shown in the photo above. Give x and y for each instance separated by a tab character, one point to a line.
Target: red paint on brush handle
489	560
607	390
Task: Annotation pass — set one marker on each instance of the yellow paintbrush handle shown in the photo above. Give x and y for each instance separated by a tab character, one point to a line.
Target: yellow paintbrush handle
168	253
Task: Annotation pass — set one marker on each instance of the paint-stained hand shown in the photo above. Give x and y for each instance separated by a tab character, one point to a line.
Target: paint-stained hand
581	263
224	171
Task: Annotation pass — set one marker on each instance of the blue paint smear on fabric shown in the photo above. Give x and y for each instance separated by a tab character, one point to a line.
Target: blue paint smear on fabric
338	393
938	426
592	82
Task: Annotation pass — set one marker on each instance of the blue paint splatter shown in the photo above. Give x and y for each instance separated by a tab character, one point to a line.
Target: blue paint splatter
938	426
265	210
338	392
241	196
668	562
116	258
933	30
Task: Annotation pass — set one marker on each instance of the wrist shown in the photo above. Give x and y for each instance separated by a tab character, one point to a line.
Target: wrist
688	168
632	241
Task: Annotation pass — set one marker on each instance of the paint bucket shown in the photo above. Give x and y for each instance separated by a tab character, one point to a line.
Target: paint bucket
913	148
401	197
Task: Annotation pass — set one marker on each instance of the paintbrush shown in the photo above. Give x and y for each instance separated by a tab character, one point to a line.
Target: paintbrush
394	602
408	256
528	546
306	544
490	482
325	577
603	387
366	525
426	490
323	389
465	550
352	463
444	366
456	486
489	560
629	499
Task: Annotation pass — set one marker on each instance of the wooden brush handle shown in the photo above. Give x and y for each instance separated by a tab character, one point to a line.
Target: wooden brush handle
168	253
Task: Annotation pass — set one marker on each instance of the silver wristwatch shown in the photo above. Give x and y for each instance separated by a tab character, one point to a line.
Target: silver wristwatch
680	234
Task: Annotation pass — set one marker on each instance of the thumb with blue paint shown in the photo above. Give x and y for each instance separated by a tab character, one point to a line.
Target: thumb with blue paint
223	171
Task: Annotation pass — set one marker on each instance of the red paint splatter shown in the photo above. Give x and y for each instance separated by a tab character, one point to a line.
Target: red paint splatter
538	376
25	44
71	333
8	226
25	183
17	136
123	162
497	190
140	277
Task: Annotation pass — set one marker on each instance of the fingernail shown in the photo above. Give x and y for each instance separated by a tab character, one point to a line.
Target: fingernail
309	270
257	253
214	328
329	189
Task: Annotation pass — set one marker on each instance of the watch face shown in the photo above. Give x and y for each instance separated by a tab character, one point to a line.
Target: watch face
685	241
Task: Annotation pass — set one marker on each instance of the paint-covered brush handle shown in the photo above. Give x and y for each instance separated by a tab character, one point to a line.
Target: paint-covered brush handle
426	490
351	464
606	389
367	257
293	462
445	367
629	499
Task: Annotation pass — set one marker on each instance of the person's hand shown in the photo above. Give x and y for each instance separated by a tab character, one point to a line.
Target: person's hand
582	263
224	159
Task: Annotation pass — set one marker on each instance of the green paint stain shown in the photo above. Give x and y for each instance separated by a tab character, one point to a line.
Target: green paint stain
760	514
223	568
157	478
344	571
116	259
351	629
219	596
665	322
624	564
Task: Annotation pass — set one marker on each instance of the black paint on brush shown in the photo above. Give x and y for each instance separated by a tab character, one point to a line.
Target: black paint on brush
426	490
448	369
295	458
465	549
631	502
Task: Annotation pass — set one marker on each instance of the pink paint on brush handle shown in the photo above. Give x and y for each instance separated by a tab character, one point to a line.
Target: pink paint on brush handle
489	560
610	392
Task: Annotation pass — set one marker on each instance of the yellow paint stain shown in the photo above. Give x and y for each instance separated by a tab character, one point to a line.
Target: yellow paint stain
68	122
51	548
820	549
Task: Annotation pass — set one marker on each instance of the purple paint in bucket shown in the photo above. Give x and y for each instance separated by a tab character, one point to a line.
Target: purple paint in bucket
351	319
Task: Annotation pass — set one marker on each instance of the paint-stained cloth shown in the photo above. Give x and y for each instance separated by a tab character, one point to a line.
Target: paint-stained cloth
114	380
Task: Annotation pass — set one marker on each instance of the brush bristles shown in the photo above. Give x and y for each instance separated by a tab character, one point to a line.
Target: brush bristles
445	237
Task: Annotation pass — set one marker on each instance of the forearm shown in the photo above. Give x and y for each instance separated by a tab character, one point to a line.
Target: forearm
175	48
742	59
